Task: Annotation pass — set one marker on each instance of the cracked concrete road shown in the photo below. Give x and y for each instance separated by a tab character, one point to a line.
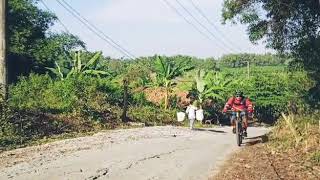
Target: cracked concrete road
144	153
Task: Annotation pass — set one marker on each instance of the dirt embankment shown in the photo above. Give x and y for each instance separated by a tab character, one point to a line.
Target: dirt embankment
261	162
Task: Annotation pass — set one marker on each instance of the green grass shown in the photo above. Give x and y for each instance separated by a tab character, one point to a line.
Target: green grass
315	158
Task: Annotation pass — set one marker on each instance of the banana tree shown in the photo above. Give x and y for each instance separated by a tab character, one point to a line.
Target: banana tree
166	72
201	86
78	67
57	71
209	86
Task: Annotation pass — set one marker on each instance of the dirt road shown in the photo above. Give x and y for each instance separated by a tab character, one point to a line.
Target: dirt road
144	153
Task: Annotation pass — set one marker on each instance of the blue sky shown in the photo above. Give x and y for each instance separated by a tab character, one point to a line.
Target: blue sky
148	27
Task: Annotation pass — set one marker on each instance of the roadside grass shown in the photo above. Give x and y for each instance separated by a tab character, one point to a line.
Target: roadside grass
297	132
315	158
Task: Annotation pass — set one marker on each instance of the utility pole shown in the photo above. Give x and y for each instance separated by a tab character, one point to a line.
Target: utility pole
3	54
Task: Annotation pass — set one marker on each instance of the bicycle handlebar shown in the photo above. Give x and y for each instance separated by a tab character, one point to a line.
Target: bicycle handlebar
231	111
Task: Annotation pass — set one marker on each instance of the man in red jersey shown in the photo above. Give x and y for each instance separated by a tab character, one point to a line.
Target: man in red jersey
239	103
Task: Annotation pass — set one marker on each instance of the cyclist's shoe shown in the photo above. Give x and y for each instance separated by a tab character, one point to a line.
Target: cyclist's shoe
245	134
233	130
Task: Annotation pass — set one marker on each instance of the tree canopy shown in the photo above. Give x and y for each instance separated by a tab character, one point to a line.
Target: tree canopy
286	25
30	45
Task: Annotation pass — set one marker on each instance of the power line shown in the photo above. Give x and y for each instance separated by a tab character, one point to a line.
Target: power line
211	23
203	26
62	24
95	30
189	22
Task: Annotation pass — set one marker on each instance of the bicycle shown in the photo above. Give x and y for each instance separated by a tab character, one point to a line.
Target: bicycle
239	127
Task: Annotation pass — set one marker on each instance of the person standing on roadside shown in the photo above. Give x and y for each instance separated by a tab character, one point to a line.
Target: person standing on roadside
191	112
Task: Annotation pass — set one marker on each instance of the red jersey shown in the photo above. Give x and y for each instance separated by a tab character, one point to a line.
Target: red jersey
239	104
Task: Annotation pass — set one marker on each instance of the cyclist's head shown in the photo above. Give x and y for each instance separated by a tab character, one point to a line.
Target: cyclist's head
239	94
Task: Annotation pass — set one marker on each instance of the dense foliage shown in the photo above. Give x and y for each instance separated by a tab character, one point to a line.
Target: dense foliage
241	60
30	46
289	26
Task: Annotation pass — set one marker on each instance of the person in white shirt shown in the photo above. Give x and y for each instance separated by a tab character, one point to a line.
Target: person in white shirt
191	112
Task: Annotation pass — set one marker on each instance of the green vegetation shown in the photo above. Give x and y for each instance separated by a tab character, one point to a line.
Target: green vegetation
79	67
209	86
166	71
290	27
42	106
57	89
315	157
31	47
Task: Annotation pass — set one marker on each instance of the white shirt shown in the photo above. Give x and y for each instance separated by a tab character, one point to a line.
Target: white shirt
191	111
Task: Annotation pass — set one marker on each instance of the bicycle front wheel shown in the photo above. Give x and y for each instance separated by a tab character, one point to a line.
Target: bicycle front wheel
238	133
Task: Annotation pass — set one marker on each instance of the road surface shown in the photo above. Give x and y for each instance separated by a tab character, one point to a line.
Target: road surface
143	153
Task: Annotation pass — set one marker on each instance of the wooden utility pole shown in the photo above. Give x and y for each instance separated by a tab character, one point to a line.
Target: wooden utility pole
3	57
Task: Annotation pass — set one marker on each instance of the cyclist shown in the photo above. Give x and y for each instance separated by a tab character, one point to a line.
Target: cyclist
239	103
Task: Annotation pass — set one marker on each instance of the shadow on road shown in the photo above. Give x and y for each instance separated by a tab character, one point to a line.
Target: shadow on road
255	140
210	130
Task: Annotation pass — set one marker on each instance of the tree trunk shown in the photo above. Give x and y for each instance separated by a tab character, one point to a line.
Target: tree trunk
125	101
166	99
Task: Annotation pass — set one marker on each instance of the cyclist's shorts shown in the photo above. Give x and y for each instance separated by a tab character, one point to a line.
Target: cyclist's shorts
234	115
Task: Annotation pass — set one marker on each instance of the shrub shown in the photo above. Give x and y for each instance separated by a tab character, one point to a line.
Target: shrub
41	93
152	116
60	96
40	107
28	93
8	133
139	99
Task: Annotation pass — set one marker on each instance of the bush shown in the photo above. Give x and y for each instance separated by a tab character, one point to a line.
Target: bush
39	107
8	134
139	99
152	116
28	93
60	96
41	93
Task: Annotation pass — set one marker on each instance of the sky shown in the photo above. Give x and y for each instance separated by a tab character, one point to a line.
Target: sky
149	27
